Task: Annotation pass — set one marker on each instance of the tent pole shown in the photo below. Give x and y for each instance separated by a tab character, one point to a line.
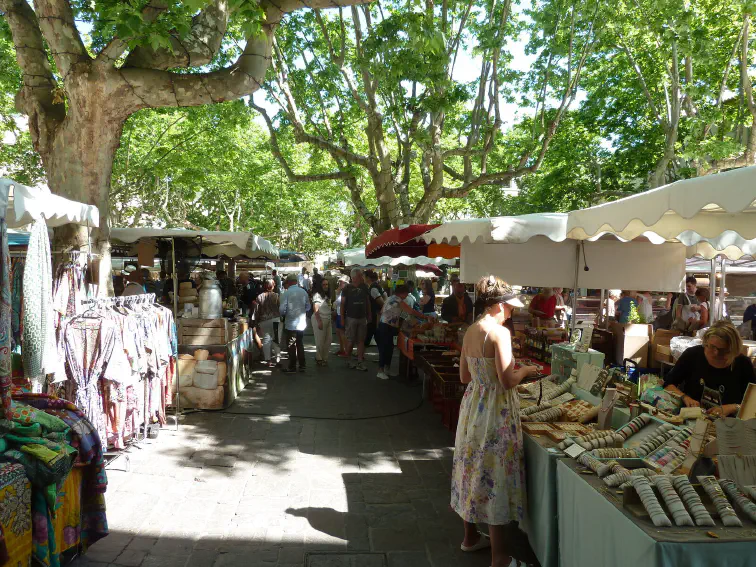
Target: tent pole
722	285
175	319
713	291
573	320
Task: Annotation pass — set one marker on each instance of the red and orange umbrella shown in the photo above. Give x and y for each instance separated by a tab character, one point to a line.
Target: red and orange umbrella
407	241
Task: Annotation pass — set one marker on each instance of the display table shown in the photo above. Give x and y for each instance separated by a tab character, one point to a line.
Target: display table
198	387
542	525
595	529
540	470
407	345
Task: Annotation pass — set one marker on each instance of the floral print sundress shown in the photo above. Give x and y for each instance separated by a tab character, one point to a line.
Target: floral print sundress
488	478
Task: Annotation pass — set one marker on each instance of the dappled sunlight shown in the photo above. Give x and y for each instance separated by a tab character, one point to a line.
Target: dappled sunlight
258	484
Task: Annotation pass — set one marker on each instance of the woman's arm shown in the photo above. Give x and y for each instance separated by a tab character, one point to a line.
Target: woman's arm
704	322
687	400
508	376
407	309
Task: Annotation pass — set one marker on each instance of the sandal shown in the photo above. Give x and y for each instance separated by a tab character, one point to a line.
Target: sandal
482	543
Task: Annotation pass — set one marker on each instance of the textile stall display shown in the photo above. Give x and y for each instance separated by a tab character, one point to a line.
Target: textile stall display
52	475
120	356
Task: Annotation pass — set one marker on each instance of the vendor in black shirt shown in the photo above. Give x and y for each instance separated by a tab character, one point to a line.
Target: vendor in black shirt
717	364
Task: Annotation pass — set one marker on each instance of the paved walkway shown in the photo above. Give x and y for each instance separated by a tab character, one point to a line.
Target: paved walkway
237	488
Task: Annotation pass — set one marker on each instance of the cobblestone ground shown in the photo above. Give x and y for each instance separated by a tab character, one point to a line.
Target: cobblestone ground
237	488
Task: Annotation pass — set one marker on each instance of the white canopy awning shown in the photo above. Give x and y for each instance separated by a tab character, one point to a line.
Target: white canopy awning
214	243
513	230
534	250
23	205
356	257
717	212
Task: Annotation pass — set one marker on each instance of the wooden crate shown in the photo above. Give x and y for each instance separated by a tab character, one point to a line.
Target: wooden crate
202	332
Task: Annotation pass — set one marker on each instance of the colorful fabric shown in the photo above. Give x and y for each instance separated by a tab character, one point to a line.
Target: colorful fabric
15	516
17	294
84	438
39	351
56	532
6	370
488	478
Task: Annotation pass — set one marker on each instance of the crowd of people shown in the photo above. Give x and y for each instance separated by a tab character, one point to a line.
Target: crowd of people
362	307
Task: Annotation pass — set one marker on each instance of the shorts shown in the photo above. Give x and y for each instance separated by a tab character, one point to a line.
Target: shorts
339	324
356	330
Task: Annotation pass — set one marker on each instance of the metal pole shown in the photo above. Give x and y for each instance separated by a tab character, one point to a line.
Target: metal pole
575	290
713	291
722	284
601	307
175	320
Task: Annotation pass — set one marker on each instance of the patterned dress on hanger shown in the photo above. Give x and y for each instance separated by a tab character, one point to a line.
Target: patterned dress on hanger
89	346
488	477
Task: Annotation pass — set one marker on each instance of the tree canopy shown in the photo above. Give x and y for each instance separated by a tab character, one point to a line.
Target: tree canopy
373	114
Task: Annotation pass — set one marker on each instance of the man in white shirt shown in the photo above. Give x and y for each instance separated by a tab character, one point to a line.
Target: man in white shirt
304	280
294	305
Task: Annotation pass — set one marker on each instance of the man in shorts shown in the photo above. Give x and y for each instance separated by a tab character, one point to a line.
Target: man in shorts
355	312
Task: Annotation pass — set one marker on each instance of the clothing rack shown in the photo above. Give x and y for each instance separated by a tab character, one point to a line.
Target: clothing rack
142	299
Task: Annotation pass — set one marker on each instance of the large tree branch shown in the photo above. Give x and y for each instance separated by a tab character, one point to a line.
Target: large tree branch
278	154
36	98
56	21
642	80
195	50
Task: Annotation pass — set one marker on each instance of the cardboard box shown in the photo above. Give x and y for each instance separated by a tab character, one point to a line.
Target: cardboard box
660	347
663	354
631	341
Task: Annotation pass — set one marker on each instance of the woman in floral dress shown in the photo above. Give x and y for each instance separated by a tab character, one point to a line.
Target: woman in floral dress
488	480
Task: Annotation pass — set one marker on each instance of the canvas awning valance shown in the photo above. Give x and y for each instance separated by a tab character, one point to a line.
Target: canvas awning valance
712	215
23	205
214	243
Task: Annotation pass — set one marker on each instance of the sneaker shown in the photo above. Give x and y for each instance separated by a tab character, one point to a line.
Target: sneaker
361	366
342	354
352	364
301	368
383	376
288	370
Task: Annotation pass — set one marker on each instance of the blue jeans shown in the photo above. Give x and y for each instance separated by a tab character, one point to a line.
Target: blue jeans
385	338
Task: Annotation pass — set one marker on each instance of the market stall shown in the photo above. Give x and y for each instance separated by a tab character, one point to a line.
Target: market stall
595	528
52	499
214	340
714	216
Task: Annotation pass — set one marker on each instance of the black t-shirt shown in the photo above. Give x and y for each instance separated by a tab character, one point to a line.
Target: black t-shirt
375	308
356	301
692	371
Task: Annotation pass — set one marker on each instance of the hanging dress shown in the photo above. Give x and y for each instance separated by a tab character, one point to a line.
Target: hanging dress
89	345
488	477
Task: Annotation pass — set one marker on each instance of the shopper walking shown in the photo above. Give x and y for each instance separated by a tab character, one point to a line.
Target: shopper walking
295	303
355	312
266	316
341	334
395	310
321	320
377	298
488	475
